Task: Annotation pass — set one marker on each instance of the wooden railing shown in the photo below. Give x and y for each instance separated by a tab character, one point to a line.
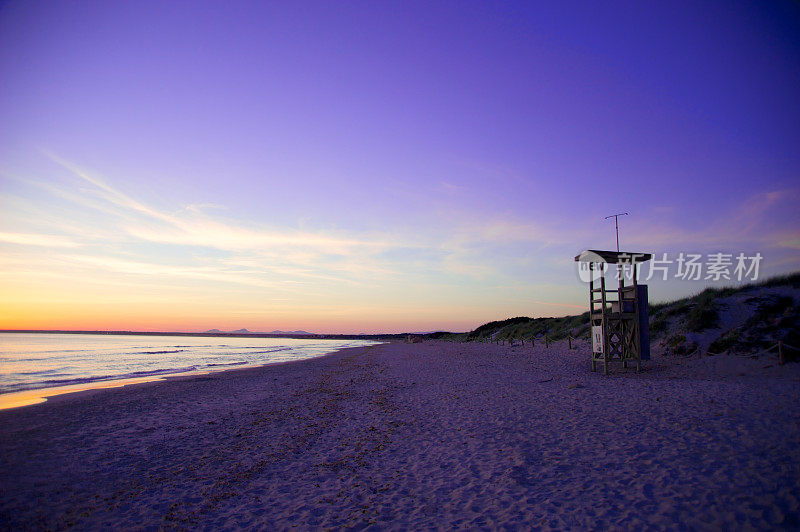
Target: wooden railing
531	339
781	345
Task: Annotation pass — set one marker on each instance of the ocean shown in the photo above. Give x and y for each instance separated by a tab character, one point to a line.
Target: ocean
33	361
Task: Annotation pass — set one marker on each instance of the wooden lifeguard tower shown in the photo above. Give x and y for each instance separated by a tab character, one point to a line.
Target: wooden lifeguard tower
619	318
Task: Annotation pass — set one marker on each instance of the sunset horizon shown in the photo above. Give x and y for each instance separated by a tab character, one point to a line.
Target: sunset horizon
350	170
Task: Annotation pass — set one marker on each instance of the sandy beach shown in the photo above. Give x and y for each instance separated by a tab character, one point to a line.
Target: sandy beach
425	435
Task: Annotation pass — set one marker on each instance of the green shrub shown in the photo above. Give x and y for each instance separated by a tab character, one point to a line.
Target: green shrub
678	346
678	309
702	318
703	313
656	308
686	349
676	340
727	341
658	326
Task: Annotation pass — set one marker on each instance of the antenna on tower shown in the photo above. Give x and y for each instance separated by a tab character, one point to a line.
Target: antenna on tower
616	223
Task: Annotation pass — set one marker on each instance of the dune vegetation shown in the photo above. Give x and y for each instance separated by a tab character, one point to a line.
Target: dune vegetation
743	319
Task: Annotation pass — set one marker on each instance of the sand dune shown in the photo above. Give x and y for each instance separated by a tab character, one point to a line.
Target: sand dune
409	436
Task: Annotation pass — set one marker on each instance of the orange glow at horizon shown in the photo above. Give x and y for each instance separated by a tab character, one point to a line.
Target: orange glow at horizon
142	321
143	317
89	299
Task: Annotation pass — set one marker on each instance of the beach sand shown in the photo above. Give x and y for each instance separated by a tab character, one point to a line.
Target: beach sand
414	436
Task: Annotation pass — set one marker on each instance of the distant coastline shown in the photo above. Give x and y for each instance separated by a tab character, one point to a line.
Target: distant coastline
309	336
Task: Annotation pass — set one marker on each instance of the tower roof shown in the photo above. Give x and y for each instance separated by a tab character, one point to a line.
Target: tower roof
613	257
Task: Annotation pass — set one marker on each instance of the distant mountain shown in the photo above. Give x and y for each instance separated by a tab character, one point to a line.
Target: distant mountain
245	331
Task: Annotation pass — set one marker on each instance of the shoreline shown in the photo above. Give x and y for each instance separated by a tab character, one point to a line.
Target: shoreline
426	435
33	396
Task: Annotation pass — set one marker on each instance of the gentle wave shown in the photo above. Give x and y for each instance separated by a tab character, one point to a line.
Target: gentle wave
249	347
131	375
49	383
269	351
41	372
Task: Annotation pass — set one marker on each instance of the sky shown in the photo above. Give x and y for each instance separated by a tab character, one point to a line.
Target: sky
361	167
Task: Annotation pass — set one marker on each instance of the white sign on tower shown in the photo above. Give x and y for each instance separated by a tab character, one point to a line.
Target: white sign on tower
597	339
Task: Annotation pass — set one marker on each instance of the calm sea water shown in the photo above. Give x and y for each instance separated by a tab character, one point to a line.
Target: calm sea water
33	361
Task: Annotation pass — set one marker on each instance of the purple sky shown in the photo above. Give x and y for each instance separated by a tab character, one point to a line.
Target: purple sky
360	166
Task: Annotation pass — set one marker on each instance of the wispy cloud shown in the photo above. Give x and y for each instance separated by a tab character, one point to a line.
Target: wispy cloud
193	227
759	220
189	272
33	239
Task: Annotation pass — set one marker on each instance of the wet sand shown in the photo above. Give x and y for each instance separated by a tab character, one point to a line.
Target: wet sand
423	435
